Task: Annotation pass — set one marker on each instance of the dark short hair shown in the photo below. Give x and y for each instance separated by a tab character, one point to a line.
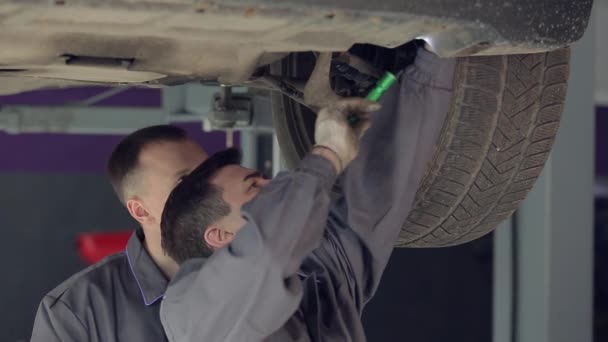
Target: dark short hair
125	157
192	207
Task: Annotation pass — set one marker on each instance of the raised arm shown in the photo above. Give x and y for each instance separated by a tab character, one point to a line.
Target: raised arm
381	183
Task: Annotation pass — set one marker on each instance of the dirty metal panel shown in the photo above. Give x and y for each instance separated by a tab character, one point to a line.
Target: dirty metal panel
227	41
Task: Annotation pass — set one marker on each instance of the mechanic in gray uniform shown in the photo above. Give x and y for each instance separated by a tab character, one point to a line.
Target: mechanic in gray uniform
281	260
118	299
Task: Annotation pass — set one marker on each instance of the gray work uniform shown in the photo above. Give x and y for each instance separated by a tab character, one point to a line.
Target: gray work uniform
304	266
117	299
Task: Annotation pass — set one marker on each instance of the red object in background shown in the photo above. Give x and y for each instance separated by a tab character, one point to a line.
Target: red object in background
93	247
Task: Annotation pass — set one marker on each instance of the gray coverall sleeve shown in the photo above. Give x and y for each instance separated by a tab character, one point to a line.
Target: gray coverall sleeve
381	183
249	289
55	321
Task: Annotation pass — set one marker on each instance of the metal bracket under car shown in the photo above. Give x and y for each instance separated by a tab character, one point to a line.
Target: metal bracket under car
318	92
230	110
334	75
239	111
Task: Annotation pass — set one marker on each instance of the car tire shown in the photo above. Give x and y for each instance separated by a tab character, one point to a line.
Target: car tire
497	135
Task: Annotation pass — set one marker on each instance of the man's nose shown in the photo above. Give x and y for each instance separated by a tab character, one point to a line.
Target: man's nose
262	182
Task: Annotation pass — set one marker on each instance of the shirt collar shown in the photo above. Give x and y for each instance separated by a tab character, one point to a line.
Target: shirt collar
151	281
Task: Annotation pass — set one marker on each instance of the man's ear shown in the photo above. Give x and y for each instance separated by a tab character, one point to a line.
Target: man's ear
217	238
137	210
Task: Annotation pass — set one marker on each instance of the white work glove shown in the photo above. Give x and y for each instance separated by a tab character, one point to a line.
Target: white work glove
334	130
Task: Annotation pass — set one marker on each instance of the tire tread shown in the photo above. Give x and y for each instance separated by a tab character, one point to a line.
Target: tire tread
521	118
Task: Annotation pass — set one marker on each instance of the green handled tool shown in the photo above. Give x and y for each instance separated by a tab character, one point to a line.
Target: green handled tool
387	80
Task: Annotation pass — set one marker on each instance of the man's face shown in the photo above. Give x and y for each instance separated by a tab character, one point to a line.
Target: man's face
161	167
240	185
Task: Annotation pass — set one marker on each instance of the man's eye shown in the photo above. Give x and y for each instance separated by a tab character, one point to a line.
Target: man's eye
254	185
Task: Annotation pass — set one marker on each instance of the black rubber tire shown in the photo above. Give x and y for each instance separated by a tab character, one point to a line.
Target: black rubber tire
503	119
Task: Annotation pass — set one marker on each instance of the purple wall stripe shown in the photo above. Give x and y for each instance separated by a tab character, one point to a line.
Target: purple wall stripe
76	153
140	97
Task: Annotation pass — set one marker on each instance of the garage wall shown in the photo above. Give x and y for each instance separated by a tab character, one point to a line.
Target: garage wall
434	295
41	213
